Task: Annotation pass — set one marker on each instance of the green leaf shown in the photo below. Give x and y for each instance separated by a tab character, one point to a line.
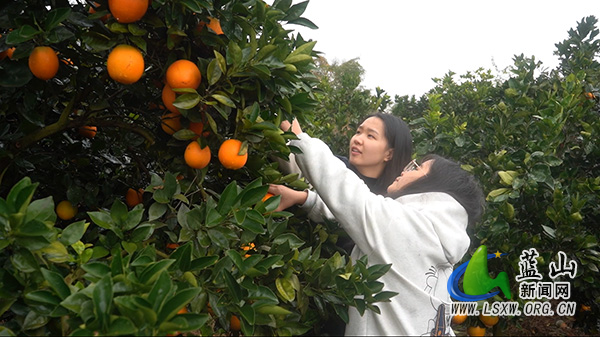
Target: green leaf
57	283
151	272
285	289
102	297
273	310
224	100
294	241
251	196
134	217
183	256
295	11
96	269
43	296
156	210
234	288
118	212
304	22
175	303
234	53
41	210
197	6
101	218
218	238
74	232
213	218
142	232
213	72
187	101
203	262
55	17
254	222
221	61
228	198
21	34
121	326
161	290
74	302
34	321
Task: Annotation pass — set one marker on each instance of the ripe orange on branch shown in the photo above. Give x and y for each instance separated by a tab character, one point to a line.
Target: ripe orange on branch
168	97
128	11
458	319
475	331
235	323
195	156
171	122
65	210
489	321
183	74
133	197
229	154
125	64
43	62
88	131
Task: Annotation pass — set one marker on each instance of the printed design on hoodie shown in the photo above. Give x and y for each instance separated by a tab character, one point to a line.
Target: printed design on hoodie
436	279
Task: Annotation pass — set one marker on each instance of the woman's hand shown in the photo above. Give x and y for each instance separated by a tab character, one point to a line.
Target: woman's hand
289	197
296	129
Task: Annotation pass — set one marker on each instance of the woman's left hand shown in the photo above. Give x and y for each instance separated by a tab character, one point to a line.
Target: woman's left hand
289	197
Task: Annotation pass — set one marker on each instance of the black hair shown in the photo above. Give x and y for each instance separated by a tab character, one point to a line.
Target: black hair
399	138
448	177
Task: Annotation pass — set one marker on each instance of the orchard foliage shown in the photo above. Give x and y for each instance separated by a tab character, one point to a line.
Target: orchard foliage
201	240
532	140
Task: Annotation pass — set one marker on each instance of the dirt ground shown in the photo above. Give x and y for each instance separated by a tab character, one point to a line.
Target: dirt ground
534	326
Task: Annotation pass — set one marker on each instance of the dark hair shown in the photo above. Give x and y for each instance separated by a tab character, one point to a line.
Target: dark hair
399	138
448	177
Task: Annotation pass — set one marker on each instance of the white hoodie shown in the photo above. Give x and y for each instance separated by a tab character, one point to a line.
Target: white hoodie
421	235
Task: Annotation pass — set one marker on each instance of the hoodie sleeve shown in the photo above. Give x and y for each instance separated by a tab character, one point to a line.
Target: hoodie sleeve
371	220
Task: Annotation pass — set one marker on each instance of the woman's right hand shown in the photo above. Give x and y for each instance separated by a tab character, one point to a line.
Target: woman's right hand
289	197
295	126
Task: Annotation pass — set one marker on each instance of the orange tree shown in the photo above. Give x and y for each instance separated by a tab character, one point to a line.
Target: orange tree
531	139
202	247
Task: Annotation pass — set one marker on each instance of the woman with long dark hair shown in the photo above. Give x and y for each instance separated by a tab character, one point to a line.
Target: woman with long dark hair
420	229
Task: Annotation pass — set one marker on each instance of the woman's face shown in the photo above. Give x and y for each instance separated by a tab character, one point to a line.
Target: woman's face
409	175
369	149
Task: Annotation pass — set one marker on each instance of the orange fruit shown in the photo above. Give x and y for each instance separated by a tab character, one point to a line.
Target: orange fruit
125	64
65	210
172	245
171	122
182	311
267	196
133	197
235	323
228	154
88	131
197	128
9	52
489	321
476	331
168	97
183	74
215	25
128	11
43	63
588	95
458	319
195	156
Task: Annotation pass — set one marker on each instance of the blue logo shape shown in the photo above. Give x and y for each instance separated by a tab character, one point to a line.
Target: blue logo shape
477	282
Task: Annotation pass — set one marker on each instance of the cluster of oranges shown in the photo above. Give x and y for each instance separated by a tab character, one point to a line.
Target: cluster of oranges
475	330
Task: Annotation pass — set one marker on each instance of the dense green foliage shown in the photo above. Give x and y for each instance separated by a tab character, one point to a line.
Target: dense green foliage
202	240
